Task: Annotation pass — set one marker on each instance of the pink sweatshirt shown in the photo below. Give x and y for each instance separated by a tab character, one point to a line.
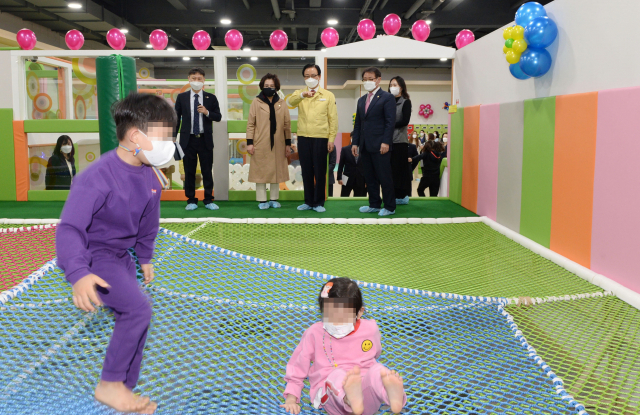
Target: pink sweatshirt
360	348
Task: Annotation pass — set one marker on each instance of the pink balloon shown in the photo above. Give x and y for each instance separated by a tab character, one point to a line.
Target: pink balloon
74	39
329	37
422	106
26	39
429	106
158	39
116	39
366	29
421	112
464	38
420	30
430	112
233	39
201	40
391	24
278	39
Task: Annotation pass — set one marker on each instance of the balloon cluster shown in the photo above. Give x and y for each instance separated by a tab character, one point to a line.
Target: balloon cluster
445	106
526	42
425	110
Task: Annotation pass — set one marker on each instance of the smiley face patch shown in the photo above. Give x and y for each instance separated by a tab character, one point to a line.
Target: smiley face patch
367	345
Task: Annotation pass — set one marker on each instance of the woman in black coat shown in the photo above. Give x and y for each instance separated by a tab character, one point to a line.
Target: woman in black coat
432	154
61	167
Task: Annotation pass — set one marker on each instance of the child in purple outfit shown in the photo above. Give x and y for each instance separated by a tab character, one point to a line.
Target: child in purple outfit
113	206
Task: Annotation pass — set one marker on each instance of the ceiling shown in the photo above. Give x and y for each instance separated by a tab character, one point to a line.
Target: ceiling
302	20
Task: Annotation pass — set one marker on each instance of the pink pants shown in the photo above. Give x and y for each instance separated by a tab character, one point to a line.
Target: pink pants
373	392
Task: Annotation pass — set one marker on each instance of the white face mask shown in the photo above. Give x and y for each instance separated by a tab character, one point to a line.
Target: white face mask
311	82
445	139
415	136
395	90
161	153
196	86
338	331
66	149
369	85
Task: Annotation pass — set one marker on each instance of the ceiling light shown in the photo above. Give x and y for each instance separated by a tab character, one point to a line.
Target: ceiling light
444	59
186	58
225	21
207	10
381	59
171	49
75	5
254	58
123	30
332	21
247	49
428	21
323	50
149	46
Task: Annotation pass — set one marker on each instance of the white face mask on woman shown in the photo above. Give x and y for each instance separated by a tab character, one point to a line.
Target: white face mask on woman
338	330
66	149
395	90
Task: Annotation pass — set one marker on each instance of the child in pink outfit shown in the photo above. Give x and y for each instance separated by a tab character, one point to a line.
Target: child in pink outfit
345	377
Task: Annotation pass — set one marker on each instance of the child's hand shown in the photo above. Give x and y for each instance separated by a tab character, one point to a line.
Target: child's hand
290	405
147	271
84	292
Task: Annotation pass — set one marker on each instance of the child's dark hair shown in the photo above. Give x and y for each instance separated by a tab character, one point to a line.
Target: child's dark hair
137	110
343	288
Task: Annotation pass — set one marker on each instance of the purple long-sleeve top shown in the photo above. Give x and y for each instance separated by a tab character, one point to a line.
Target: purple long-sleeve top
112	206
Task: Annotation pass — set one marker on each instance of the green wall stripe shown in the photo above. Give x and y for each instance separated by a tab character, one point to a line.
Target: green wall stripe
455	154
7	156
48	195
537	169
241	126
61	126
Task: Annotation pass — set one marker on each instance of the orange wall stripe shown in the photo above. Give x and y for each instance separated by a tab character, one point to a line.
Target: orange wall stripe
21	151
573	174
178	195
470	153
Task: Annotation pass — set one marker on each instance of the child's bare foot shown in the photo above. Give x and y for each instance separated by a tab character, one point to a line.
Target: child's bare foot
150	408
120	398
392	382
352	386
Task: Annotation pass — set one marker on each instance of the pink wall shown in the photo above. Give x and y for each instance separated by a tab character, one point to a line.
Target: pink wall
488	160
615	242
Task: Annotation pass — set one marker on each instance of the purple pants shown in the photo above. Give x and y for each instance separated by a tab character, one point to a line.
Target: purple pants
373	392
132	310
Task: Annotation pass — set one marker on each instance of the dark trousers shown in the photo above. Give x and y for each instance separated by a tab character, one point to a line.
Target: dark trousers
432	181
313	163
197	149
357	184
377	173
399	162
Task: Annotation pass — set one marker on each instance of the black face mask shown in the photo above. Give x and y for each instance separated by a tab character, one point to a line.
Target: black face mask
268	92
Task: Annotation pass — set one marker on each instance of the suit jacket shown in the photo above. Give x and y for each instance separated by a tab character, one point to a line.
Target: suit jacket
57	176
376	126
347	165
183	110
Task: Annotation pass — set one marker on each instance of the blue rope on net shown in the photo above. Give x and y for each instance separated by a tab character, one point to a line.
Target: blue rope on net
224	327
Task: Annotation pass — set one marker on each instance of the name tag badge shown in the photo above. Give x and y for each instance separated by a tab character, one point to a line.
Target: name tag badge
322	99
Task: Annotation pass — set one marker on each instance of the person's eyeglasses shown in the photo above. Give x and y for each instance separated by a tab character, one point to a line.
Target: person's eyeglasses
366	80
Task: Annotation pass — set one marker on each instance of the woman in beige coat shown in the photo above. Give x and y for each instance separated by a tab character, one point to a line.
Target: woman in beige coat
268	141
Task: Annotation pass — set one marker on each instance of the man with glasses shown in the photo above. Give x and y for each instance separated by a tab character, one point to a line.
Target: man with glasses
372	139
317	129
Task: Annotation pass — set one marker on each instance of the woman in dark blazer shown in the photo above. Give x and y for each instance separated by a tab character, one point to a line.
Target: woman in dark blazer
61	167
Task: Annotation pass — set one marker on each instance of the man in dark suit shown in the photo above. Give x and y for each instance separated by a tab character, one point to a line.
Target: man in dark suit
372	139
355	178
197	110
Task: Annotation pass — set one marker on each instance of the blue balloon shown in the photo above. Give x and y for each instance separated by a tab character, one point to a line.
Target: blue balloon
541	32
535	62
517	72
529	11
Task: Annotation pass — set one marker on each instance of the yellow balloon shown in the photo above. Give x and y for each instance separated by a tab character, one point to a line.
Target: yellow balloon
505	49
507	33
517	33
519	46
513	57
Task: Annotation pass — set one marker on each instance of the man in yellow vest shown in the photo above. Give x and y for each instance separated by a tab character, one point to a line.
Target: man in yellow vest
317	129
